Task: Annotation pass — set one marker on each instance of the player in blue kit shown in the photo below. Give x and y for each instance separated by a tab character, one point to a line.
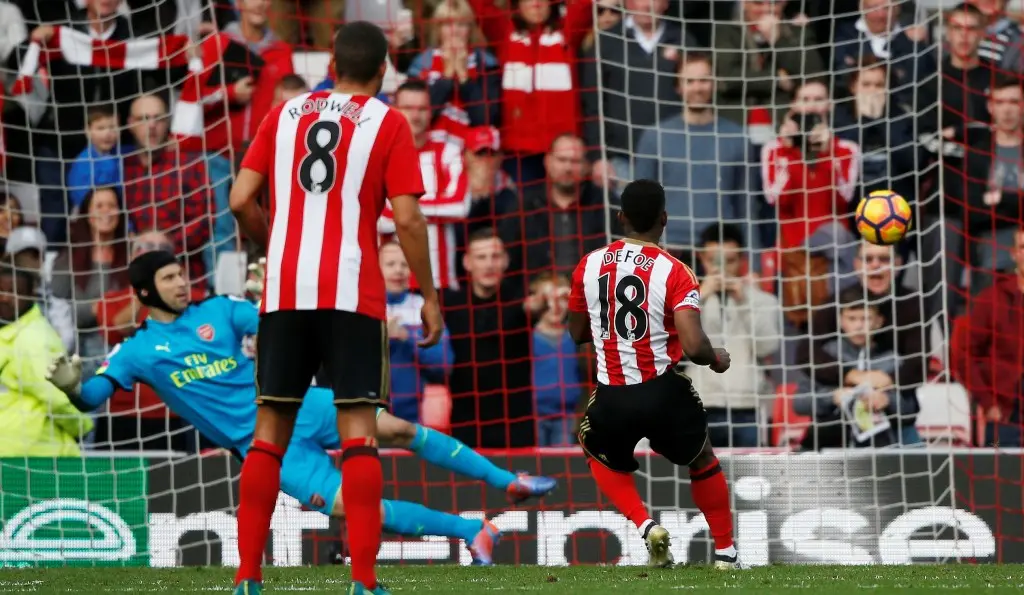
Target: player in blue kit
193	357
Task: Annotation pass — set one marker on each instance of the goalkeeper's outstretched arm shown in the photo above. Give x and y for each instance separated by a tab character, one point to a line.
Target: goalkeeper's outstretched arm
66	374
94	392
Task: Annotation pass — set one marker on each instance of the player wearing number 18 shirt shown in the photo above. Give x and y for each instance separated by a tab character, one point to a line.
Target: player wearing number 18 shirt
641	309
330	160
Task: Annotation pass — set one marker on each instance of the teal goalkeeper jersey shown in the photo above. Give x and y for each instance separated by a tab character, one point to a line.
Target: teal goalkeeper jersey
196	364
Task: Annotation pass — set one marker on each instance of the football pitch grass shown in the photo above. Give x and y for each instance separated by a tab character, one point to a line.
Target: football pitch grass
589	580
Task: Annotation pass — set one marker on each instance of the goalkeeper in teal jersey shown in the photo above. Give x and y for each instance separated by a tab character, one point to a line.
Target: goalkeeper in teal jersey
193	357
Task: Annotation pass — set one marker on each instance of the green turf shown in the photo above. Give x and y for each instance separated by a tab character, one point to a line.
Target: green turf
809	580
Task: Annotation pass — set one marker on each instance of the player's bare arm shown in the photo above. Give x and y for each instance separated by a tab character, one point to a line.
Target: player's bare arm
245	206
579	327
411	228
696	344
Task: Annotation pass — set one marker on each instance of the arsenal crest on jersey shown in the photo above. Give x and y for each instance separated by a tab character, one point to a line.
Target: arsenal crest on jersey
205	332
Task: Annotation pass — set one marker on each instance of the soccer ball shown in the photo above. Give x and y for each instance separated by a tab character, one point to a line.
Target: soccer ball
883	217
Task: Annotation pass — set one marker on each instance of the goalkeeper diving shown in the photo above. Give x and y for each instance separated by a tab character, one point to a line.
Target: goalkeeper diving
193	356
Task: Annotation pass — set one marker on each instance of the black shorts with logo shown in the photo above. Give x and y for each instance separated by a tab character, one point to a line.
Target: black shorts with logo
667	411
292	345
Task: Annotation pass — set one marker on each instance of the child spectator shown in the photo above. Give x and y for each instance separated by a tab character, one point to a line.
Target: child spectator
99	164
855	349
556	371
412	366
289	87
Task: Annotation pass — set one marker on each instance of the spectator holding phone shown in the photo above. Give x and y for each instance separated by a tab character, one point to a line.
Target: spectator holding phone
810	175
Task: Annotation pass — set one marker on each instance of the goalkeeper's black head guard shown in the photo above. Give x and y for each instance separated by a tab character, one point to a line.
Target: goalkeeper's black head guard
142	274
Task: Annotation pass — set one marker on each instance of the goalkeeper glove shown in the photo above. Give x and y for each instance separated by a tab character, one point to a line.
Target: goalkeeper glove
66	374
257	273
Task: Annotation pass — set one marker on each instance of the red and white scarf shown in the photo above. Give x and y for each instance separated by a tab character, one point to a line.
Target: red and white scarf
75	47
188	122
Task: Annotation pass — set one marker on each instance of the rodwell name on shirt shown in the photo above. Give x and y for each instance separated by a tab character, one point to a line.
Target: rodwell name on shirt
347	109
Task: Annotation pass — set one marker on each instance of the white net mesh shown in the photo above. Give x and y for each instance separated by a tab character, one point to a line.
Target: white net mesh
765	144
766	121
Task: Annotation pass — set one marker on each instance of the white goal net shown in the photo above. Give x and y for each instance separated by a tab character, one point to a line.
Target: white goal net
867	381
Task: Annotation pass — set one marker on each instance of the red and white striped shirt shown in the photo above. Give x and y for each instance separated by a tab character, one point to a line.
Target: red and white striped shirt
631	290
446	200
331	160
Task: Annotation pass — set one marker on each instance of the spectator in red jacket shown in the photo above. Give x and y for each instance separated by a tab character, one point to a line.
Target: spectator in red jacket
987	354
236	90
537	50
808	173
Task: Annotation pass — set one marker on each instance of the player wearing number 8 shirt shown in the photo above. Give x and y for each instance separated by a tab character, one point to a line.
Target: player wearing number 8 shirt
641	308
330	160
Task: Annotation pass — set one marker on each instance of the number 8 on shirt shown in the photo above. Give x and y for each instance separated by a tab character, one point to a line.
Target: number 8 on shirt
330	160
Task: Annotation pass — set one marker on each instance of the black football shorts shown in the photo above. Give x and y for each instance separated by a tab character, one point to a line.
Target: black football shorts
667	411
292	345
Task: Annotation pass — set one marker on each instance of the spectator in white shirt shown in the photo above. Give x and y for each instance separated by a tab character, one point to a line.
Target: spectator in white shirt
737	315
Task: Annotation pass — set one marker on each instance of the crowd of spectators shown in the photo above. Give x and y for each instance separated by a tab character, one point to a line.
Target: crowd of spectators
765	120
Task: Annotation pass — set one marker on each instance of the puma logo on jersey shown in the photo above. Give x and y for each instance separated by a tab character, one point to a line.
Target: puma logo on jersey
165	347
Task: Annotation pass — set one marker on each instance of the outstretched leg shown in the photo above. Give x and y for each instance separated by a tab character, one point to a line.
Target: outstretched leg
415	520
447	452
310	476
711	495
